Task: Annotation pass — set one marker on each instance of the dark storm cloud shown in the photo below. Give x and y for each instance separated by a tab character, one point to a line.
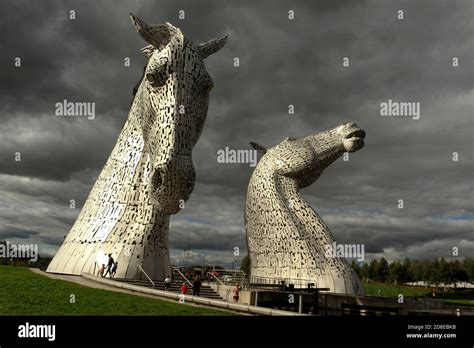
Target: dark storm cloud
282	62
16	233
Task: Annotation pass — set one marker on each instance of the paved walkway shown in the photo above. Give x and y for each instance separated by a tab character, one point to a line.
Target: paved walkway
96	285
112	285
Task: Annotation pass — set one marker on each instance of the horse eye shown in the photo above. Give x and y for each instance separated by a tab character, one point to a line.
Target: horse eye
151	78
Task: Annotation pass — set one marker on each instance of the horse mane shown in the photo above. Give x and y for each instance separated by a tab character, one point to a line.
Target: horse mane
137	85
135	90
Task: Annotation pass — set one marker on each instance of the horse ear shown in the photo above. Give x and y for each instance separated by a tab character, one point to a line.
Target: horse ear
157	35
258	147
148	50
212	46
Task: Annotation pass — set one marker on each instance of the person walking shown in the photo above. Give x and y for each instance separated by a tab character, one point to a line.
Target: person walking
197	286
102	270
184	288
236	293
167	283
114	270
109	266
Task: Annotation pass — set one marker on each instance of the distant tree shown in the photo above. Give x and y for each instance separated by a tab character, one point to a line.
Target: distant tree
364	272
468	267
245	265
444	273
382	270
396	272
433	272
414	270
373	269
428	271
407	269
458	274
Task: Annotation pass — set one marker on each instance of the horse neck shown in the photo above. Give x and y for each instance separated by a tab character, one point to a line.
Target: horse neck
130	161
283	204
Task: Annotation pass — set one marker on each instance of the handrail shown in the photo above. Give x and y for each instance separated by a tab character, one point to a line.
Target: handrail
230	276
277	282
141	269
182	275
215	277
234	272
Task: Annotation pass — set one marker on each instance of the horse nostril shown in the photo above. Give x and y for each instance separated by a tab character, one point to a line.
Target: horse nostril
156	180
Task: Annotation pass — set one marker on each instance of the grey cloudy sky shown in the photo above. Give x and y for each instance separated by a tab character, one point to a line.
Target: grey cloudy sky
282	62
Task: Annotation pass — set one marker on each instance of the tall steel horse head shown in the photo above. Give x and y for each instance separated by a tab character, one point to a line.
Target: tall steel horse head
150	173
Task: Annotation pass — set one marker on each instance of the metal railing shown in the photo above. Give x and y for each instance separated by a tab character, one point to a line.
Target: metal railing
256	281
141	269
177	271
213	276
228	276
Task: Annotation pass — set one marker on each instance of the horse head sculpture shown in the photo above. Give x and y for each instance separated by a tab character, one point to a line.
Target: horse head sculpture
286	238
174	96
150	171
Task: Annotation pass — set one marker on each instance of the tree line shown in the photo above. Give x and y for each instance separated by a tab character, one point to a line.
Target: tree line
434	272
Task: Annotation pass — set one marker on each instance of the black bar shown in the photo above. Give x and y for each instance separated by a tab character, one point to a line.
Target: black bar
211	331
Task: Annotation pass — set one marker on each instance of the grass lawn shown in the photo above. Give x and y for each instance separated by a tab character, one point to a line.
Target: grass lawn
392	290
463	297
23	292
459	302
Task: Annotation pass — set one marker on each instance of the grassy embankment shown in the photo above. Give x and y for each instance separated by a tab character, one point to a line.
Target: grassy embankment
23	292
451	296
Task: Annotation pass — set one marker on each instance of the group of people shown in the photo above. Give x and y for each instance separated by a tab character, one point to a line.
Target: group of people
111	268
196	286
